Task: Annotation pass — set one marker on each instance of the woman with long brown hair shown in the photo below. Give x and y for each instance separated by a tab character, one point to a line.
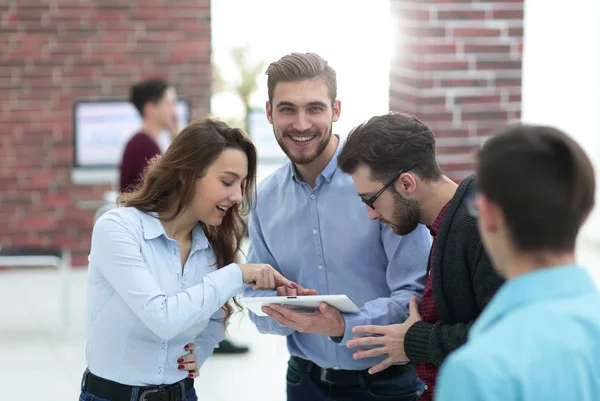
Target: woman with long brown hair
162	267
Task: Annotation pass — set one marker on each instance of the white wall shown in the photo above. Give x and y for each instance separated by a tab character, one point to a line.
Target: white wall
561	83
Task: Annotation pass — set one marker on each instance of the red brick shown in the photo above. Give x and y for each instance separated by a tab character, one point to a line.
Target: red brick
448	132
485	48
37	223
502	65
463	166
455	150
485	115
515	32
57	200
38	93
430	49
458	175
411	82
445	15
461	82
35	13
432	101
507	14
434	65
476	100
445	1
518	48
475	32
421	32
508	82
436	117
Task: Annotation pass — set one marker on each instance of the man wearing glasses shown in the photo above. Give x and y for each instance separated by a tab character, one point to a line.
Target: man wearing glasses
393	165
309	224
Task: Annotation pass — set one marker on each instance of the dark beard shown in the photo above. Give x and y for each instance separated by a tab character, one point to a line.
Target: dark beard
407	214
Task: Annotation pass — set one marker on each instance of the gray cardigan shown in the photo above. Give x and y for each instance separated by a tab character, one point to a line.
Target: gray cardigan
463	283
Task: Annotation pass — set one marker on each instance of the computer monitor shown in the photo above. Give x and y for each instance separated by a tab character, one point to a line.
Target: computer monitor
101	128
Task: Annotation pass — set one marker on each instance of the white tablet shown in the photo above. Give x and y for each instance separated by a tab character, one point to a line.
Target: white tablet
306	304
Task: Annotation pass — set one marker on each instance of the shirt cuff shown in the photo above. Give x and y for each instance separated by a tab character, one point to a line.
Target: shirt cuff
416	342
350	320
228	280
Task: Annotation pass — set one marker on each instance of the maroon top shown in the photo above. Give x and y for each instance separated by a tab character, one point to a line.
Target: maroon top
427	371
138	151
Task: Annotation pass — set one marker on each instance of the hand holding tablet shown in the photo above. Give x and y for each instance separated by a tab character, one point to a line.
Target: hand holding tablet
305	304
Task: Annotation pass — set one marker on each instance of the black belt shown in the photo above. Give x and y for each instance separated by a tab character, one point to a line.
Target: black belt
121	392
350	377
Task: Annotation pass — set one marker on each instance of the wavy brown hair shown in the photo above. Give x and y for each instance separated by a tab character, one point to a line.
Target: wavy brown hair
169	184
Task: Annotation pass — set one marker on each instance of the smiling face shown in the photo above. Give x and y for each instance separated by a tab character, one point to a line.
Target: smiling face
401	214
221	187
302	116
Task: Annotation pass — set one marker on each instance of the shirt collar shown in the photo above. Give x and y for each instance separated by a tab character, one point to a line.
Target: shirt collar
153	228
540	285
435	227
327	172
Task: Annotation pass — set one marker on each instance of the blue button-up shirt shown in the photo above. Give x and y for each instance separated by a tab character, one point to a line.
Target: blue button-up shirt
538	339
141	309
322	238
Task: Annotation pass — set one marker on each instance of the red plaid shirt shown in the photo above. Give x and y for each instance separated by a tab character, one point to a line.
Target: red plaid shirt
425	370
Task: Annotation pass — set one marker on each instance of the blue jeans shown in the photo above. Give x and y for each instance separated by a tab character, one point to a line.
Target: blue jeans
85	396
135	394
302	387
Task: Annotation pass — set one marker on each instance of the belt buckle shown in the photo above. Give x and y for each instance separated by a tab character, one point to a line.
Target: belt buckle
152	391
323	376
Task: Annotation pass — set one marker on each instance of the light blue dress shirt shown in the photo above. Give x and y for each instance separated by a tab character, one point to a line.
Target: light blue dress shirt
322	238
537	340
141	309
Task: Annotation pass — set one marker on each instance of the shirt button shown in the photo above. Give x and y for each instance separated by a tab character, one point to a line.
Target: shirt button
426	387
163	345
312	197
315	232
184	280
159	370
320	267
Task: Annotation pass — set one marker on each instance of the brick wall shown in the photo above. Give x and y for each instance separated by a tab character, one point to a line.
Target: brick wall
457	66
53	53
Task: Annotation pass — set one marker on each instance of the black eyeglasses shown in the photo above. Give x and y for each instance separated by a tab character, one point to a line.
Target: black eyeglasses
369	202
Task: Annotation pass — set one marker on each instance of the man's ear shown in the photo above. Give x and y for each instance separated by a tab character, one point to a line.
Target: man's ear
337	110
406	184
269	112
490	215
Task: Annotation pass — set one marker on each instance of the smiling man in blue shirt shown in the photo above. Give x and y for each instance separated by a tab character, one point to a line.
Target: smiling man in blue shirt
309	224
539	337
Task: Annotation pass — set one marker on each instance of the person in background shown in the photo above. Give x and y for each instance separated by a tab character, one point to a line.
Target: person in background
309	224
393	164
155	99
162	267
539	338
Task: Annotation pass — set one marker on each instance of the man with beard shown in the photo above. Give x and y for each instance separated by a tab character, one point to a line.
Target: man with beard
309	224
393	165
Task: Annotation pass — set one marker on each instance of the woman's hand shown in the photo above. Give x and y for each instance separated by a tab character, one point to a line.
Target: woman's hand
264	277
187	362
